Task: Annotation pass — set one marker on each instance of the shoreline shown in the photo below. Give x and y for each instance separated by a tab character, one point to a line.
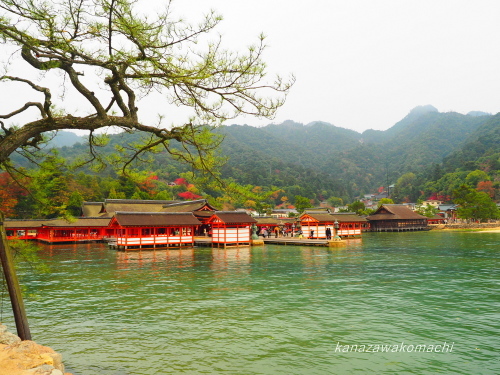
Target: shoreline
27	357
468	228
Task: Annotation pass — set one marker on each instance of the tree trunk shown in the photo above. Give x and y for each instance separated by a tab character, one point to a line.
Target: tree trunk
16	297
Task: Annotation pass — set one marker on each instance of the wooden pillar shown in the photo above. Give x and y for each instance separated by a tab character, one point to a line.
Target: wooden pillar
155	233
16	297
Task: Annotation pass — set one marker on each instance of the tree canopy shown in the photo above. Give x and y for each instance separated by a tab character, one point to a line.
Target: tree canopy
475	205
111	55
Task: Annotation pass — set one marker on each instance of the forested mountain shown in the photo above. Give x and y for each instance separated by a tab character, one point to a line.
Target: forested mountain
359	162
328	157
425	154
481	149
65	138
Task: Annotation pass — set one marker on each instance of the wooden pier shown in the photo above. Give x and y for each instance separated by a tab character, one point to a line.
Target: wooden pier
295	241
292	241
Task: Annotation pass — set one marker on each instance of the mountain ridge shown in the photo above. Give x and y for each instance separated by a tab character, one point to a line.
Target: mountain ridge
327	156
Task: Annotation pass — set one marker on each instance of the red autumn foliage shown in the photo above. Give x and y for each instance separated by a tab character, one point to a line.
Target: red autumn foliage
487	187
148	185
439	197
181	181
9	193
187	195
433	197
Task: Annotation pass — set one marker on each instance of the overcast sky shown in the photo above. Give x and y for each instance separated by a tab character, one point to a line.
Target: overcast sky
359	64
364	64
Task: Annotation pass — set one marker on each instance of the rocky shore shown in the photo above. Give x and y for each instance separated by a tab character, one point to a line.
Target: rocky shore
27	357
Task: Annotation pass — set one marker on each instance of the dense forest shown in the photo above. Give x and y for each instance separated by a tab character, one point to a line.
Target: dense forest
427	154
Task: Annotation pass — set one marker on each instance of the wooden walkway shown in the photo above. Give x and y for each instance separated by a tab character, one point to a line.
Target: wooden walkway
295	241
207	242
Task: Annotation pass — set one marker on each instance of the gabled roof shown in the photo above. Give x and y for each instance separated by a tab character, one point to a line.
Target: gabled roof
92	209
284	220
155	219
321	217
138	201
446	207
203	213
436	217
267	220
134	205
348	217
28	223
188	206
394	212
233	217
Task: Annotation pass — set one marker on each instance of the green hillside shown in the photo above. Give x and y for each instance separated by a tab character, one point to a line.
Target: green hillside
436	152
482	146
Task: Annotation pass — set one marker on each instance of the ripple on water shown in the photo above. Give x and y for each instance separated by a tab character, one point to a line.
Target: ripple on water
273	309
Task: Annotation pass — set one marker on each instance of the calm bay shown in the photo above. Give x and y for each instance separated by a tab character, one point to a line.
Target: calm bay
273	309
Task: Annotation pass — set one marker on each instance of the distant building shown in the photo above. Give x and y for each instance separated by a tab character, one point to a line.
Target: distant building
381	196
396	218
448	211
338	209
283	212
411	206
432	202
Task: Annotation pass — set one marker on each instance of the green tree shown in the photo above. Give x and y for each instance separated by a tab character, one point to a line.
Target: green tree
406	188
475	177
335	201
474	205
113	194
48	188
163	195
446	184
357	207
75	202
385	201
301	203
427	210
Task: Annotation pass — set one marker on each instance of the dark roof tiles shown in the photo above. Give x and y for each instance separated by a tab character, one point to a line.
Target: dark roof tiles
234	217
156	219
394	212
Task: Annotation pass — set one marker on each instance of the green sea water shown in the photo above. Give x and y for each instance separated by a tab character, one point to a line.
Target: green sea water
274	309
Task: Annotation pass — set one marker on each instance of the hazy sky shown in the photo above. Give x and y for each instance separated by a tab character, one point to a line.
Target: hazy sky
359	64
364	64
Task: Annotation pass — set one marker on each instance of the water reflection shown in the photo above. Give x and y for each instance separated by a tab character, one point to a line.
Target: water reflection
171	258
237	259
272	309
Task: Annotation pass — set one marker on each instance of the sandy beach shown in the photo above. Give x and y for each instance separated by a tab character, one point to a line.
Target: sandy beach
494	230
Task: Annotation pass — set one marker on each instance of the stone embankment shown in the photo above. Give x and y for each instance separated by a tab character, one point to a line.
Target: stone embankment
466	226
27	357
